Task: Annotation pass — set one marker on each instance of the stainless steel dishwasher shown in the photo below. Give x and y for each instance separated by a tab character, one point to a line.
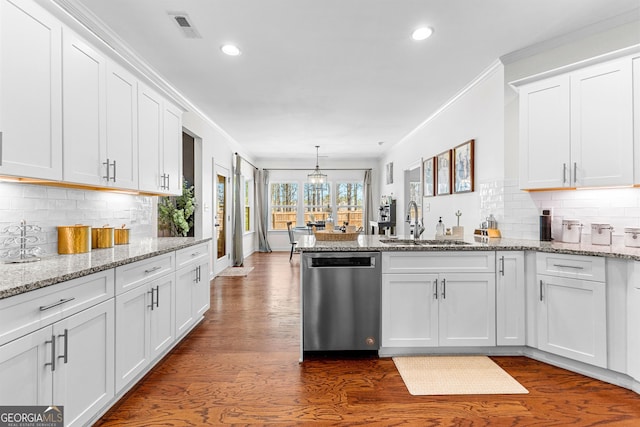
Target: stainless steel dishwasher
341	300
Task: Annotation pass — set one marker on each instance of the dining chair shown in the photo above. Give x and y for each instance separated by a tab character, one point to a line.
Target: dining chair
292	239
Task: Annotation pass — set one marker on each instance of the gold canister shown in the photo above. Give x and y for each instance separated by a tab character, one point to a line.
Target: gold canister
121	236
74	239
102	237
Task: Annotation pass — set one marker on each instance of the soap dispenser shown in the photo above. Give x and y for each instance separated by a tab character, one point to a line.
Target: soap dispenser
440	228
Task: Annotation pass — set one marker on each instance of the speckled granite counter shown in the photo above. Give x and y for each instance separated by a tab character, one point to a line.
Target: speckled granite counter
374	243
18	278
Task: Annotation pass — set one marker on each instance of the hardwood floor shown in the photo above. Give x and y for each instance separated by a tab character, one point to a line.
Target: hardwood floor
240	366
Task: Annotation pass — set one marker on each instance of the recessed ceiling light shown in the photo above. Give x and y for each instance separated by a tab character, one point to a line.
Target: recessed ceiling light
422	33
231	50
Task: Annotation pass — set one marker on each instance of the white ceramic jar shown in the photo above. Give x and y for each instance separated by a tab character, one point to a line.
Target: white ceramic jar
632	237
571	230
601	234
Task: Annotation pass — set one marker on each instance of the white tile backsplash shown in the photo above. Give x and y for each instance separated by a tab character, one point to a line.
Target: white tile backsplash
619	207
50	207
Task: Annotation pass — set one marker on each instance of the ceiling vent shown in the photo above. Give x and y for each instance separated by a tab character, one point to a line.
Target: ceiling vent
183	22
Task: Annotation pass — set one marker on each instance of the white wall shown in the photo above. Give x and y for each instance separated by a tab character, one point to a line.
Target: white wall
476	113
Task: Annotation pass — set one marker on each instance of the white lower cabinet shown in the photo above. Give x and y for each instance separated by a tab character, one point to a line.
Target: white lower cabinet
192	286
633	320
446	309
69	363
572	311
510	298
144	327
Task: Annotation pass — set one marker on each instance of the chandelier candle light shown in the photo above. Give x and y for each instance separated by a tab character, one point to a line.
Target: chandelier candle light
317	177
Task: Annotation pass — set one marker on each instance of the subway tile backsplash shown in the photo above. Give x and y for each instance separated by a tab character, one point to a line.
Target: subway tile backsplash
49	207
619	207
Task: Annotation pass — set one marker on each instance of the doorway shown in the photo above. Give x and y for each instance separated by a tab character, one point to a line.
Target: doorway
221	217
188	168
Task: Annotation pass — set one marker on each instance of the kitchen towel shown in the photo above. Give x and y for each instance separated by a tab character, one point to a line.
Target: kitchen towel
442	375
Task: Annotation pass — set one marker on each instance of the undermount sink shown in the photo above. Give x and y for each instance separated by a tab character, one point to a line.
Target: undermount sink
411	242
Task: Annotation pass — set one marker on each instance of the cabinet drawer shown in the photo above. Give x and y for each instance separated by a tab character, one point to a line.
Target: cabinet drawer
573	266
138	273
439	262
192	255
24	313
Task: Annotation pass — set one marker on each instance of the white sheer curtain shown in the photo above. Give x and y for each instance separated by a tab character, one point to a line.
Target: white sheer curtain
238	224
368	202
261	182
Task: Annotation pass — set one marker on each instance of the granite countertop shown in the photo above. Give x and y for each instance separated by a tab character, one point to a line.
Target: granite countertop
19	278
375	243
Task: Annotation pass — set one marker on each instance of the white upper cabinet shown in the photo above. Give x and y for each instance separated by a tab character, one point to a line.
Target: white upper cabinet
636	118
84	105
544	133
30	91
602	125
122	128
160	143
576	129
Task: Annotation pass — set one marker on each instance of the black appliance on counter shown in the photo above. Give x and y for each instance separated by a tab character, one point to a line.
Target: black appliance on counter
387	217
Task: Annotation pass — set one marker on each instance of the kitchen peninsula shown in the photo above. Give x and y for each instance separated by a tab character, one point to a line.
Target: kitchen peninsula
571	305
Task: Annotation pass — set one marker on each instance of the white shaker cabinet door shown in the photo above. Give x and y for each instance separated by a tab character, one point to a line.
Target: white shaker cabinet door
149	140
84	105
572	319
122	128
172	149
409	310
161	315
602	125
84	376
467	312
30	91
510	298
636	118
544	134
26	371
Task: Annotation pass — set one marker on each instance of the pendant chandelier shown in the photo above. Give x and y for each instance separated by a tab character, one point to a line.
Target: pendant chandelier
317	177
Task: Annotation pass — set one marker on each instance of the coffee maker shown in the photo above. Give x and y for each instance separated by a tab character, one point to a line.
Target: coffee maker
387	216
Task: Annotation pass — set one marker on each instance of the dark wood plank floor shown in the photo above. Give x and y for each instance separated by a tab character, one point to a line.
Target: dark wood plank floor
240	366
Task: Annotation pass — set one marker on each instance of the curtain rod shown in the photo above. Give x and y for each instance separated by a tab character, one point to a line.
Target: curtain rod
324	169
245	160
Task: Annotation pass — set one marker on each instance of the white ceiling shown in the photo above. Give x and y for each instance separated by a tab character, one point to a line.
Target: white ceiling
341	74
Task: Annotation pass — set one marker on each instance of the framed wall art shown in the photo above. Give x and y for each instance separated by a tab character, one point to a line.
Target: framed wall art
463	168
443	173
428	177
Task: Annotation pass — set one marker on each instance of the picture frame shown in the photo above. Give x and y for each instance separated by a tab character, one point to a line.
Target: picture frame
463	167
428	177
389	172
443	173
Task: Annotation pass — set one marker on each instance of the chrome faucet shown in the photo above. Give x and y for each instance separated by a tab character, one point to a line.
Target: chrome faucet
418	228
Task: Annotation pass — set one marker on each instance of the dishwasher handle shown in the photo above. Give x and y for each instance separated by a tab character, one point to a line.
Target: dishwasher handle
343	262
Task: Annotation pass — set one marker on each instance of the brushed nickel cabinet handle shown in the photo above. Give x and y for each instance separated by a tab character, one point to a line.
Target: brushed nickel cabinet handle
157	296
540	290
444	288
114	171
502	265
435	289
151	270
151	292
53	353
575	172
66	345
577	267
106	164
55	304
564	173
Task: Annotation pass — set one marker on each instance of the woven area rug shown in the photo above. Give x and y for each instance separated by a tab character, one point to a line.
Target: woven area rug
441	375
235	271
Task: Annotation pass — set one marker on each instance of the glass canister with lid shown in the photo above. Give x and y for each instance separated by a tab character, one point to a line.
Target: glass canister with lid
601	234
571	230
632	237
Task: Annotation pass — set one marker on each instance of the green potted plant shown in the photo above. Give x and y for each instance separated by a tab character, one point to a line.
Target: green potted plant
175	213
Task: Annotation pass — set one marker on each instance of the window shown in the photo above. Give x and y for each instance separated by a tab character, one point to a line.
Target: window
284	204
248	203
317	202
349	200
